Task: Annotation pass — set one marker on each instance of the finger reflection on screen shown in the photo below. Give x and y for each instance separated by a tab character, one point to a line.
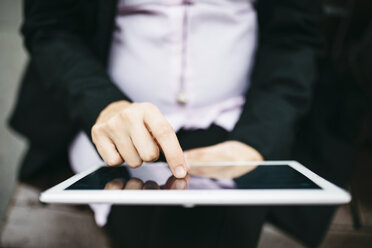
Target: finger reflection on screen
177	183
134	183
138	184
151	185
221	172
115	184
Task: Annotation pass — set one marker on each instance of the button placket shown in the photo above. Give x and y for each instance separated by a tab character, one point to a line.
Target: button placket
182	98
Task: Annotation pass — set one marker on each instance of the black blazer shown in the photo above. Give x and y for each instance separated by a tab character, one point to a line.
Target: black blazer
66	85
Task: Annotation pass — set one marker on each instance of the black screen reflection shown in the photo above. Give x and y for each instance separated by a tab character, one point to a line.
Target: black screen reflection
203	177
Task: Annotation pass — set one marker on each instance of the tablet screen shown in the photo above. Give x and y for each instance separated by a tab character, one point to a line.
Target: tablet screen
153	177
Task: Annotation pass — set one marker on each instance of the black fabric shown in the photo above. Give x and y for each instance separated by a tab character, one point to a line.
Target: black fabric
167	226
283	76
351	59
190	139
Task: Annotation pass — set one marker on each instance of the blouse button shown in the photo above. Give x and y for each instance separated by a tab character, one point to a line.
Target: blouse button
181	98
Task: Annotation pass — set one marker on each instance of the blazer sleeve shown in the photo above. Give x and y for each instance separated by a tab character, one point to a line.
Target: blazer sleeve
55	36
282	77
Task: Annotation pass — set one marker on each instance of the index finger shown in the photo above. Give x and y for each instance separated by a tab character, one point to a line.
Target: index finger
164	134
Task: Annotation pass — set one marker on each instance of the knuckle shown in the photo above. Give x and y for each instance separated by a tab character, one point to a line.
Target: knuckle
113	161
129	116
134	163
125	114
96	130
111	125
151	156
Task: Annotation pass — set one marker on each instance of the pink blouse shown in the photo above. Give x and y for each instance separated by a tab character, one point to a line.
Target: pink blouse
191	58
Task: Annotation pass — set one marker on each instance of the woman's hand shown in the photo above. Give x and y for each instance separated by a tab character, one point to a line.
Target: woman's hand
226	151
135	132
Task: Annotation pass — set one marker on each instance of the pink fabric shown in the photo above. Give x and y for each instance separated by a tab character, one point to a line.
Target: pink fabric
192	59
202	49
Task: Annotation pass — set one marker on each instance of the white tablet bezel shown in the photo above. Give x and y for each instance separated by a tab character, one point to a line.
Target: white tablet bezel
329	194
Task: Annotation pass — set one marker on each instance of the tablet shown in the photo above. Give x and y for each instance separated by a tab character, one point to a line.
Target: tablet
217	183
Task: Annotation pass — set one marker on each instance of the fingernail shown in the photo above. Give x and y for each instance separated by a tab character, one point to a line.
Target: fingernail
180	172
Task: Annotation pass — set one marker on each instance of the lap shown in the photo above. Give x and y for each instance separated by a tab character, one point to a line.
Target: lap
162	226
